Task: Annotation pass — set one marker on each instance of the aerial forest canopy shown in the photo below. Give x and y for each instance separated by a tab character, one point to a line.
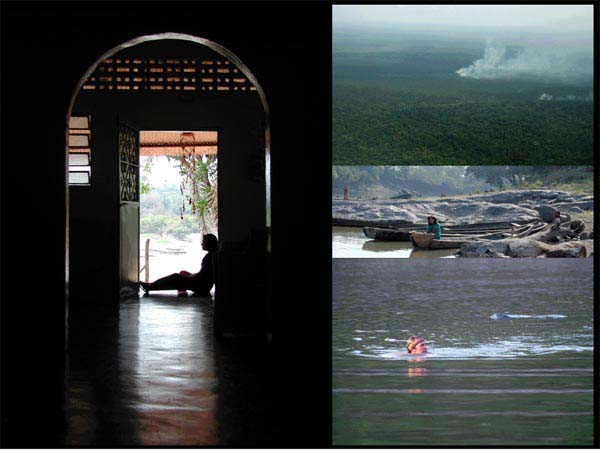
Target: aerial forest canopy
438	100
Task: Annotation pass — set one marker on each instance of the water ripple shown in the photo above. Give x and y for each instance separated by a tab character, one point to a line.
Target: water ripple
463	391
468	414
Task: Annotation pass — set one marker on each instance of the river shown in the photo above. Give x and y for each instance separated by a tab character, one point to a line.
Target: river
510	361
351	242
169	255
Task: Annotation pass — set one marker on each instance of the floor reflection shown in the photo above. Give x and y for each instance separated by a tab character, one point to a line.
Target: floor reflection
152	373
174	374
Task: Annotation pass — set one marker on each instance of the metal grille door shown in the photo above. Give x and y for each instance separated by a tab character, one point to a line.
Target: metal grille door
129	208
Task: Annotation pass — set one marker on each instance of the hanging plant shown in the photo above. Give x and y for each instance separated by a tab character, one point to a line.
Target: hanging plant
199	184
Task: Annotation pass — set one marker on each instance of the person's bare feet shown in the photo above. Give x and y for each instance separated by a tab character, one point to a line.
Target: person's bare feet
145	287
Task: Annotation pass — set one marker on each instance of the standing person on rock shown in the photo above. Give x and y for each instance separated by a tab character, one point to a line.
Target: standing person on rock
434	227
559	220
346	192
556	220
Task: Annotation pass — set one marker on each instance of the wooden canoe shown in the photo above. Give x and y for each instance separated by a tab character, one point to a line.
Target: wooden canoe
426	241
360	223
387	234
403	224
403	235
498	230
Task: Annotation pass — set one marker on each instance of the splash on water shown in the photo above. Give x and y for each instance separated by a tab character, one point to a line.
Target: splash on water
498	350
503	316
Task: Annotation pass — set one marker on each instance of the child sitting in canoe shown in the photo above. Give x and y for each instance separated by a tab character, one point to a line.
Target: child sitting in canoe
416	345
434	227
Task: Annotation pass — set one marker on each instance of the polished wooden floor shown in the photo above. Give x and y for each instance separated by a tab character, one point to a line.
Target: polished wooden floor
152	373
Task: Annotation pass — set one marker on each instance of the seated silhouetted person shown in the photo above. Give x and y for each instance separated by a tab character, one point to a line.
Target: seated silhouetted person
200	283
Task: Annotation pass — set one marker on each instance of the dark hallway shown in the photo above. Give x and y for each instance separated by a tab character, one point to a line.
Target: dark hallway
149	371
153	374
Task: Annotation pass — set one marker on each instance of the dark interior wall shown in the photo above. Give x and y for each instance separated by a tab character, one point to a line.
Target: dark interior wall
238	121
94	222
45	50
94	209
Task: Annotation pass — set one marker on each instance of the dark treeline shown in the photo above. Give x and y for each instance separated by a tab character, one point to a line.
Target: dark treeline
160	213
532	176
387	181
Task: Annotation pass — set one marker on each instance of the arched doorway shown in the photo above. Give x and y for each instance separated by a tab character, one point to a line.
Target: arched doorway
171	81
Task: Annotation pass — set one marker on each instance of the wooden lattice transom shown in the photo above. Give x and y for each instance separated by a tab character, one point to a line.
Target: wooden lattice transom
166	74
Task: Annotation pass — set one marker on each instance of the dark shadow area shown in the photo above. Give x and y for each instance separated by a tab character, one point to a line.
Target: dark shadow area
100	397
260	394
155	375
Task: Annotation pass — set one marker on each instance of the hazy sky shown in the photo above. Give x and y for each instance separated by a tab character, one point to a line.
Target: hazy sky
164	172
532	17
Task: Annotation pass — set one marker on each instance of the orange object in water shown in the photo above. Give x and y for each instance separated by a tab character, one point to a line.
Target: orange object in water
416	345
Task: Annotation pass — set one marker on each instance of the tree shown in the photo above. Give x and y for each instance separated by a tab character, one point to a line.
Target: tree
199	187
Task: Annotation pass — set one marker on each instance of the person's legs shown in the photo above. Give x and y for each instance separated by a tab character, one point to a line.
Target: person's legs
202	287
202	293
174	281
183	292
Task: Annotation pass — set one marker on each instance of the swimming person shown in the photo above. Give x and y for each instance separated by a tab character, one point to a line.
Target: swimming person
416	345
200	283
434	227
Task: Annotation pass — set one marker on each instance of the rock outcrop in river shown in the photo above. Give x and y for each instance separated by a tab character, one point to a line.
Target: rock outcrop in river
502	206
563	242
571	239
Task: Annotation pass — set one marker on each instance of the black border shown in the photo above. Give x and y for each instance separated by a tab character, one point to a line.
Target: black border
306	361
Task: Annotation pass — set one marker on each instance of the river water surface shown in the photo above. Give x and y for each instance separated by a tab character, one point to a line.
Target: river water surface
351	242
510	361
169	255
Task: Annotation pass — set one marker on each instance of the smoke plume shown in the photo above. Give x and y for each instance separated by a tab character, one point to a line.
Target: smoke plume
567	98
543	62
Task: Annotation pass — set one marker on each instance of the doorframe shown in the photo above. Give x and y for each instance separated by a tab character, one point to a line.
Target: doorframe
223	51
216	129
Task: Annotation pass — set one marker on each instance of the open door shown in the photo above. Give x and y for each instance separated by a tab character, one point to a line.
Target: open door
129	209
